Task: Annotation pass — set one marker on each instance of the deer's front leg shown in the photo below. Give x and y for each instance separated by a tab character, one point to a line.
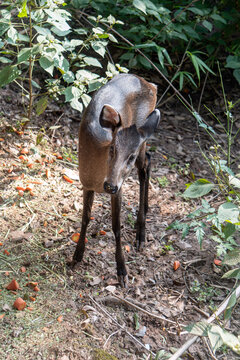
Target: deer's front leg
143	164
116	201
87	206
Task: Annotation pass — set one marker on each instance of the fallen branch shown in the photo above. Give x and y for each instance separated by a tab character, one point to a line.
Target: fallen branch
147	312
191	341
122	327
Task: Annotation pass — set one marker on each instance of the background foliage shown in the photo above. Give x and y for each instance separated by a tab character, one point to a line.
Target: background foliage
52	49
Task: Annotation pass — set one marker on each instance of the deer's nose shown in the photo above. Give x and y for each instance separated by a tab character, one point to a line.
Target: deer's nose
109	188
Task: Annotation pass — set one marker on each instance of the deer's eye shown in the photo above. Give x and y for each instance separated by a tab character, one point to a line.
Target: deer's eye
131	159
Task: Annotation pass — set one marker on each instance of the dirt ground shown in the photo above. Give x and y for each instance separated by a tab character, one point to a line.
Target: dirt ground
72	314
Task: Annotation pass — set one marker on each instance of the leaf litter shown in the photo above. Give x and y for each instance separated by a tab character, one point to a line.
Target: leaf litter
70	314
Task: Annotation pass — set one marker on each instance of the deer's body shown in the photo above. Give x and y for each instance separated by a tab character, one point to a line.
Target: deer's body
113	130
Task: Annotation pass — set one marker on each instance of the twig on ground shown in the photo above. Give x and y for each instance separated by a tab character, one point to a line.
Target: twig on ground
114	333
209	349
204	313
147	312
91	336
191	341
121	326
27	225
29	208
7	262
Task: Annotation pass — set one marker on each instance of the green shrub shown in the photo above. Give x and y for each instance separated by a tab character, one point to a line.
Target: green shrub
40	40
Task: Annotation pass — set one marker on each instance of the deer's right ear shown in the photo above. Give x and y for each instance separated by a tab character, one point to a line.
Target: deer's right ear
150	125
109	117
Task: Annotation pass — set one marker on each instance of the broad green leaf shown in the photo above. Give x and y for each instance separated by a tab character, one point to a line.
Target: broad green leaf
199	234
8	74
232	301
233	62
62	64
218	18
35	84
94	85
71	92
5	60
196	11
214	335
232	274
112	38
24	55
225	337
12	34
41	105
69	77
3	28
228	212
232	258
75	104
42	31
207	25
99	47
191	32
60	32
144	62
200	328
228	230
140	5
75	42
85	99
47	64
91	61
236	74
199	188
23	10
85	75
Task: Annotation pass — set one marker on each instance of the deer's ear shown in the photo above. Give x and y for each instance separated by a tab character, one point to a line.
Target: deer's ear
150	125
109	117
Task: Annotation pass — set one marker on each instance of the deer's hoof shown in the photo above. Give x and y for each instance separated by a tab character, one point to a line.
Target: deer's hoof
123	281
140	245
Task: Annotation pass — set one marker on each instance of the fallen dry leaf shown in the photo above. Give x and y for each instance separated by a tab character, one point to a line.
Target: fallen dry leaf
176	265
19	304
75	237
13	285
66	178
127	248
60	318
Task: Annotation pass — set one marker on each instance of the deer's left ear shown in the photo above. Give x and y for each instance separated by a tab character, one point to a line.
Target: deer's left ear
150	125
109	117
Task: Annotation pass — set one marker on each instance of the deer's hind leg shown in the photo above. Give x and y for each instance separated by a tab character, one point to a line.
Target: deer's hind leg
143	164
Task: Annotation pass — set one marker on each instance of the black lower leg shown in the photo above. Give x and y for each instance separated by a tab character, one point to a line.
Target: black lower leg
116	212
143	173
87	206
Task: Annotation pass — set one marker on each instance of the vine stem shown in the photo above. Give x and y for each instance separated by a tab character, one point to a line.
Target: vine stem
30	67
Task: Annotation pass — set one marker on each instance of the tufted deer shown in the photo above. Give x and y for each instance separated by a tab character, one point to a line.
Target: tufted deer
112	139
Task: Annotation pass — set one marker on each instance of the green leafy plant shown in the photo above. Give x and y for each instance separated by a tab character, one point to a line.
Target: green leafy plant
39	37
216	335
170	33
163	181
223	220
